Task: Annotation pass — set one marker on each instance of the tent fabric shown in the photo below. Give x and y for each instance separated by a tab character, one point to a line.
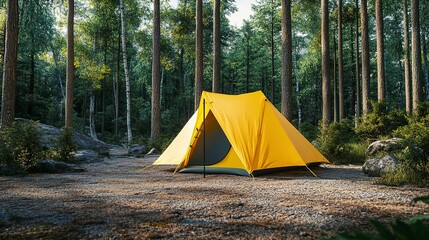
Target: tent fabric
260	137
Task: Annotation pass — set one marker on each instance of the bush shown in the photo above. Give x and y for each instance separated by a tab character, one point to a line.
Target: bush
64	146
380	121
334	141
161	143
415	158
20	147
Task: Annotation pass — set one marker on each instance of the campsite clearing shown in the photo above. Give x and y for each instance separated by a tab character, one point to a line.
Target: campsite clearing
113	199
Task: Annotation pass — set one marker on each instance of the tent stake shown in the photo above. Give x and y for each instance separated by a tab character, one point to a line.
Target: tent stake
204	138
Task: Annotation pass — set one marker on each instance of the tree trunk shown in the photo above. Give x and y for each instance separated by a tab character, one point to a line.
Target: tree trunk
407	73
32	78
365	56
156	91
349	109
272	51
326	95
416	60
127	77
92	130
425	64
248	33
10	62
103	91
340	61
380	49
216	47
286	99
70	67
199	54
297	89
357	94
334	79
116	84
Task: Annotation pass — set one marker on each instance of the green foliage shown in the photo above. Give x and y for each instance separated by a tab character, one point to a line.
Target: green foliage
336	142
160	143
415	228
381	121
309	130
20	147
65	146
415	158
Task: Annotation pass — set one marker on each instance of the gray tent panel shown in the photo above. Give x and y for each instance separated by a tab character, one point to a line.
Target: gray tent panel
217	144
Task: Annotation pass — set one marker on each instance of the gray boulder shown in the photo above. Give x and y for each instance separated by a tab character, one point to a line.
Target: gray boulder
49	134
137	149
51	166
7	171
154	151
87	156
383	146
374	167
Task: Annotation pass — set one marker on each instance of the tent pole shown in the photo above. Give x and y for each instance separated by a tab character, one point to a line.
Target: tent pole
204	138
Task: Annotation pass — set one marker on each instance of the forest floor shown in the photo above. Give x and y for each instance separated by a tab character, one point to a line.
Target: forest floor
114	199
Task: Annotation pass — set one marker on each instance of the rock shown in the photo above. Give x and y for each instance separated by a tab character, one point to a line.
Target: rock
49	134
3	214
137	149
154	151
383	146
7	171
51	166
118	151
374	167
87	156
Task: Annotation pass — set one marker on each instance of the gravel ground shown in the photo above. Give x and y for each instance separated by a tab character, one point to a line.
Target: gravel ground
115	199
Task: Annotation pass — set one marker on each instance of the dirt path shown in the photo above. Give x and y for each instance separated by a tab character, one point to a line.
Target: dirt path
114	200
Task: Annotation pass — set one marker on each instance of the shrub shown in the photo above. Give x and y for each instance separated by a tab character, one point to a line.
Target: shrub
309	130
160	143
333	140
64	146
415	158
20	147
380	121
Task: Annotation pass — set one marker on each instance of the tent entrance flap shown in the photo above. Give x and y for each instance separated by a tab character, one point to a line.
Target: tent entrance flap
217	144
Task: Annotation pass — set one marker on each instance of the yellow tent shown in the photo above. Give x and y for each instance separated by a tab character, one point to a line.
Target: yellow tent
244	134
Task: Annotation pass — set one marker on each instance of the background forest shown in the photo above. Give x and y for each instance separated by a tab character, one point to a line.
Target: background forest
250	60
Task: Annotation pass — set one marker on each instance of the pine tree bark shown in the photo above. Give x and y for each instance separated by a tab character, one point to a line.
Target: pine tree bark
416	60
272	51
127	77
407	73
156	64
380	50
357	94
341	111
10	62
365	56
199	53
92	131
326	93
286	98
248	33
70	66
116	84
216	47
334	80
425	64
